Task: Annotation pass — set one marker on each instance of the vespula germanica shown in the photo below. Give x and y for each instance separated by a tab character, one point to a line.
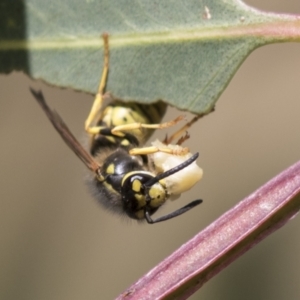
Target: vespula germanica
126	177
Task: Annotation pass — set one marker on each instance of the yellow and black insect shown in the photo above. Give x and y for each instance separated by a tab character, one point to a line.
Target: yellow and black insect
126	177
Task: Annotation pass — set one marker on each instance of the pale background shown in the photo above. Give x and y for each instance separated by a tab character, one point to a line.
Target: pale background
57	243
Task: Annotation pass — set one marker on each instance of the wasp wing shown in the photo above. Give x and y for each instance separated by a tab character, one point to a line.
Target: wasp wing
65	133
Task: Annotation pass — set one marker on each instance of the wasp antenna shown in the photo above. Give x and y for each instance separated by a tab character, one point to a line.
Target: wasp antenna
172	171
174	214
65	132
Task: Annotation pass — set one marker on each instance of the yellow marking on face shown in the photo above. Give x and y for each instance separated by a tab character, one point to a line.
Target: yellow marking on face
140	200
110	169
133	173
139	197
158	195
136	186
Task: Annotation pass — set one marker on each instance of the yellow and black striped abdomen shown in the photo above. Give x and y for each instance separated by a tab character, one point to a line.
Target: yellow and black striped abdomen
121	113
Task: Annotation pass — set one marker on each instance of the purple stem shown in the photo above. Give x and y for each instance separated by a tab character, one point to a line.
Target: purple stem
235	232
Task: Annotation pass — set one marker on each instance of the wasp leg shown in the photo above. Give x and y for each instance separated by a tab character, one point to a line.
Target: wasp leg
96	108
151	150
181	131
118	130
183	139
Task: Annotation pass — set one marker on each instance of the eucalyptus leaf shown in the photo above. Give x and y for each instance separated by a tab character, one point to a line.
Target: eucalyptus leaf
184	52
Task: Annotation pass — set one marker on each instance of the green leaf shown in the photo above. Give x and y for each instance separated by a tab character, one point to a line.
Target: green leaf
184	52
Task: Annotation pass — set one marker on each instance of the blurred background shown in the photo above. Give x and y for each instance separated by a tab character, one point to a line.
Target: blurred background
56	241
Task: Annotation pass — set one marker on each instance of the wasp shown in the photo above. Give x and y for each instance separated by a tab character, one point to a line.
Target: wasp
125	176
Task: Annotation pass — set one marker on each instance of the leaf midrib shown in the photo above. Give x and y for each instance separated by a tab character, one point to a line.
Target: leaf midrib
273	30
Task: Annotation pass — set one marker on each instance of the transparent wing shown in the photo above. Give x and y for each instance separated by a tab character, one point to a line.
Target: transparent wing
65	133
